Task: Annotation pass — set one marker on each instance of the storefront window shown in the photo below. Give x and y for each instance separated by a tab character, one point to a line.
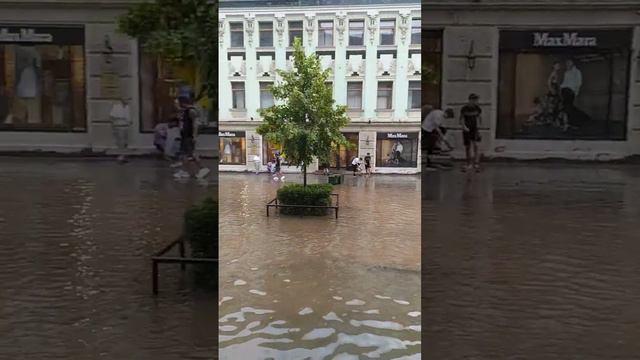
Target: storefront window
341	158
432	68
268	151
158	91
568	84
232	148
42	79
397	149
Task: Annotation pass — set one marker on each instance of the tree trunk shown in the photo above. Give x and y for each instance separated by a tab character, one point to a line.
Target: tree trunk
304	172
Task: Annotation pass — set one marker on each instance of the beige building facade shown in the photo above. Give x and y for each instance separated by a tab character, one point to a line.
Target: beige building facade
63	66
556	79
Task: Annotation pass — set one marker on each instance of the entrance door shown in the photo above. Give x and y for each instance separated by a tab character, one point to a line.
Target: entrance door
341	159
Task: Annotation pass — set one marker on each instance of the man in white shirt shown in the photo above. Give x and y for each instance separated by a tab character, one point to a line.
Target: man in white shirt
434	131
120	117
572	78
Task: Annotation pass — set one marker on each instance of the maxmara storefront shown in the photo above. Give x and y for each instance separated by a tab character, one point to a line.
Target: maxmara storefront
63	66
555	79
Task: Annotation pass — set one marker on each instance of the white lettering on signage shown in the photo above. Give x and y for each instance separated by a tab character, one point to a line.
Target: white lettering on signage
567	39
25	35
397	136
226	133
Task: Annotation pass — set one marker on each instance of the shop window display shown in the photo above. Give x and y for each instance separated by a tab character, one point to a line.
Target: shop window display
566	84
341	157
397	149
232	147
42	84
268	151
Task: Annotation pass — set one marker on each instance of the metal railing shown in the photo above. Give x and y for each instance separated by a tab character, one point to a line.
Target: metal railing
274	204
159	258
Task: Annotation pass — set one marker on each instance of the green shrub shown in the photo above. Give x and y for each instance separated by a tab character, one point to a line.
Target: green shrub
297	194
201	231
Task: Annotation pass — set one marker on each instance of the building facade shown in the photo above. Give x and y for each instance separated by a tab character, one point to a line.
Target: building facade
63	66
556	79
372	51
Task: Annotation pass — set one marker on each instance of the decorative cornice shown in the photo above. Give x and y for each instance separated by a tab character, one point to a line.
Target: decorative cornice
221	25
341	25
309	26
405	24
372	24
250	27
280	17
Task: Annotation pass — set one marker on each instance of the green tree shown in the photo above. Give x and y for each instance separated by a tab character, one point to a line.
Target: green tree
306	124
181	32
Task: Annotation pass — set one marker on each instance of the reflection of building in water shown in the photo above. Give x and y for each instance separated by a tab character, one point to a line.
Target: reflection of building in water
59	79
373	53
539	84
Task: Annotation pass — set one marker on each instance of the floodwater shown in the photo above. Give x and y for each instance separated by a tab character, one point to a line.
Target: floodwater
532	261
76	238
317	287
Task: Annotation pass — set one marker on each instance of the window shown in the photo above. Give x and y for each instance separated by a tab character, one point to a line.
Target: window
414	94
237	95
387	32
354	95
266	96
395	149
432	74
325	33
295	31
385	95
356	32
237	34
42	85
416	31
564	85
232	147
266	33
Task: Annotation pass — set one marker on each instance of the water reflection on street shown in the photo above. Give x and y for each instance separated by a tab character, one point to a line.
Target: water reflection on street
532	262
76	238
317	287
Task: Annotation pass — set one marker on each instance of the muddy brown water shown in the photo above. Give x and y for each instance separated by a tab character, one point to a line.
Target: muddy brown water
316	287
75	242
532	262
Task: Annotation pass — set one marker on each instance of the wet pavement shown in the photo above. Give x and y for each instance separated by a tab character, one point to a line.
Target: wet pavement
317	287
529	261
76	238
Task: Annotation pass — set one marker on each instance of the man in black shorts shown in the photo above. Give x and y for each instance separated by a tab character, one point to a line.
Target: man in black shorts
470	119
188	133
367	164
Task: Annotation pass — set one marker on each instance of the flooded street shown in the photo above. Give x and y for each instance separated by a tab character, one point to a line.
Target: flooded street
317	287
76	238
530	261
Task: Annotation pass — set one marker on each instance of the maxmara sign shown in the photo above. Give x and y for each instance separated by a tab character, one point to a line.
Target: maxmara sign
24	36
568	39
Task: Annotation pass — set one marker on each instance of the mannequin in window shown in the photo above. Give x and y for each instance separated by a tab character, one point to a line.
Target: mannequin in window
27	90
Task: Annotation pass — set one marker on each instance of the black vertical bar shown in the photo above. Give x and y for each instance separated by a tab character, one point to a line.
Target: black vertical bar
155	276
182	264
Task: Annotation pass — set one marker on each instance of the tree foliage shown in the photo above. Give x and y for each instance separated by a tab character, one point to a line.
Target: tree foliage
181	32
305	122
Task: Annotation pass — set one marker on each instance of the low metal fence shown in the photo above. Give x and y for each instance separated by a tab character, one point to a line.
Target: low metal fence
275	204
160	258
